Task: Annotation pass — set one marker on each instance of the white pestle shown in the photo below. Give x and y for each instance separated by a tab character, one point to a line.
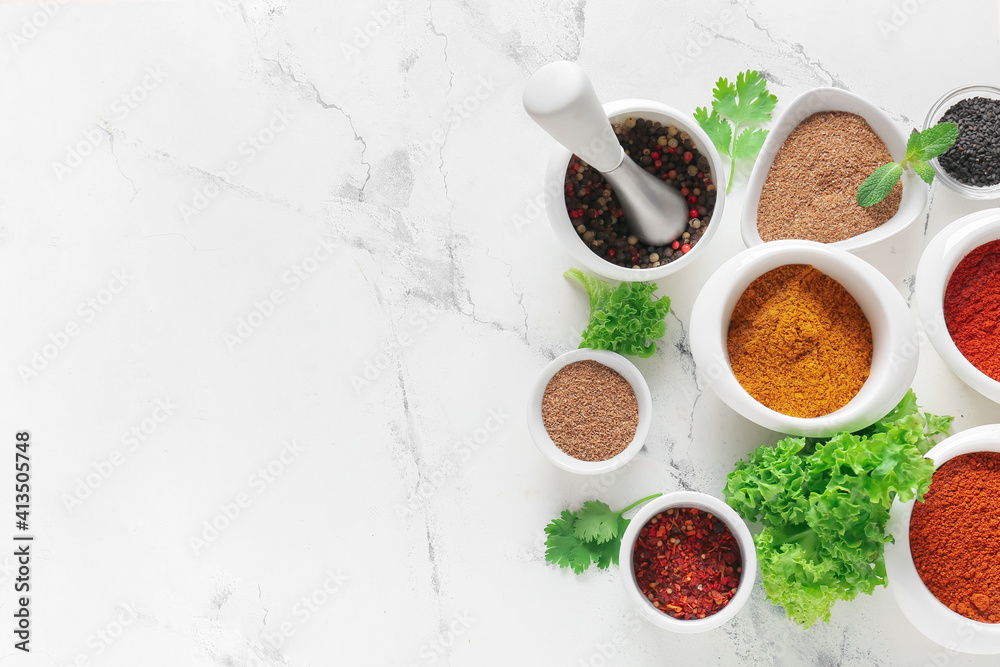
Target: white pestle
561	99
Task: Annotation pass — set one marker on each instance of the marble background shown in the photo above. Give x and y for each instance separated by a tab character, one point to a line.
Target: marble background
274	291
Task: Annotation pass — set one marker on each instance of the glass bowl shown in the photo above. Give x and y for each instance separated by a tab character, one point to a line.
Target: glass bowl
934	116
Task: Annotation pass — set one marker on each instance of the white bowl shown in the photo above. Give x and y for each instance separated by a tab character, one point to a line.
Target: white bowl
834	99
894	335
921	608
736	526
536	427
938	262
563	226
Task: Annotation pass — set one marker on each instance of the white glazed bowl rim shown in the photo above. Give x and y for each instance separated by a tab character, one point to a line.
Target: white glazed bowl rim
536	427
894	360
934	115
834	99
938	262
555	177
928	614
736	526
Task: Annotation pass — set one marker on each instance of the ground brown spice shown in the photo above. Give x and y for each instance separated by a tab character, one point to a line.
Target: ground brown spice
810	192
590	411
799	343
955	536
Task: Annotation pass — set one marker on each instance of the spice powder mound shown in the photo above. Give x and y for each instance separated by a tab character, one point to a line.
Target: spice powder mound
972	308
590	411
955	536
799	343
811	190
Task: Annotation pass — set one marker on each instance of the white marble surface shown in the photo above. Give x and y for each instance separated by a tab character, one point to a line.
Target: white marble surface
375	207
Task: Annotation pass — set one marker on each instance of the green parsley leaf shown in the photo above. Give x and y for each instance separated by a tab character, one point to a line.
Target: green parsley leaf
878	186
932	142
596	522
924	170
748	144
591	535
562	546
623	319
607	553
716	127
746	102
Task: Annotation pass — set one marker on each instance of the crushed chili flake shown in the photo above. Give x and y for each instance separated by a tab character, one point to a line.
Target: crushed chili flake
687	563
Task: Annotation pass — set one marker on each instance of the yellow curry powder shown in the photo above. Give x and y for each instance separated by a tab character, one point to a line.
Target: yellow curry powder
799	343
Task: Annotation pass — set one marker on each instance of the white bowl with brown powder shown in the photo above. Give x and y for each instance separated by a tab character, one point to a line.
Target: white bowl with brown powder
589	411
804	184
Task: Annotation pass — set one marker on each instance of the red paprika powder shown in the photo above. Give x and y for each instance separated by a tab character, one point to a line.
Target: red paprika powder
687	563
955	536
972	308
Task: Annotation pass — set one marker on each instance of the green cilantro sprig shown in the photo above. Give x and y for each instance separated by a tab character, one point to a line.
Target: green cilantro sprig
623	319
920	148
592	534
745	104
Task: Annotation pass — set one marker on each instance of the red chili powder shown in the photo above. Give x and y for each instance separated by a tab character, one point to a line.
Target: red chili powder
955	536
972	308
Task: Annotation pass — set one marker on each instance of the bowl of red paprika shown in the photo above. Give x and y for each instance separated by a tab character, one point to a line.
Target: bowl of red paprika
958	298
688	562
944	564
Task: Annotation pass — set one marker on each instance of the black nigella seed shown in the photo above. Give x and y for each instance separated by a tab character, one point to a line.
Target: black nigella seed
975	157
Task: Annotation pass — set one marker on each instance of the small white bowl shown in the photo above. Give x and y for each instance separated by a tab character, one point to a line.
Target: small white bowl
928	614
938	262
834	99
947	101
563	226
736	526
894	335
536	427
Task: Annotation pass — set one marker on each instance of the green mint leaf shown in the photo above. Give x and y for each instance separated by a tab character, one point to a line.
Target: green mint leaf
913	145
924	170
716	127
596	522
934	141
748	144
878	186
746	102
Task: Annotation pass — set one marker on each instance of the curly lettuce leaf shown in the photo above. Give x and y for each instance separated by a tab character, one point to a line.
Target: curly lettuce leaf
623	319
824	505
